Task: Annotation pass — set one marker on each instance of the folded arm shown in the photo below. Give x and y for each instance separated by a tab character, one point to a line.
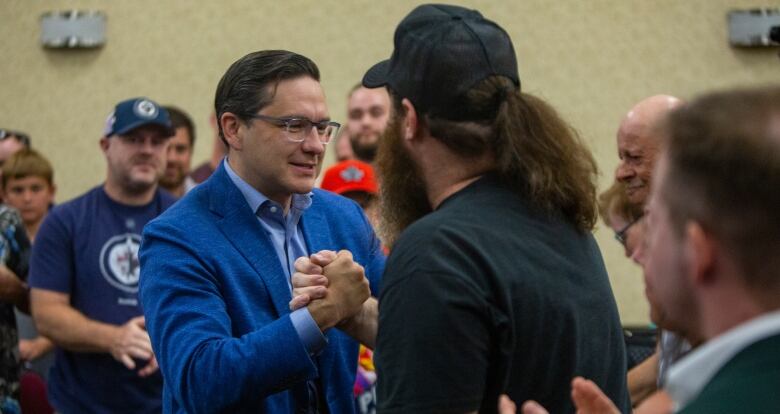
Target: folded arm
70	329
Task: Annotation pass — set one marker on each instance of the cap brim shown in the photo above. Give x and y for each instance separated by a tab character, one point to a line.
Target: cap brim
377	76
365	188
167	128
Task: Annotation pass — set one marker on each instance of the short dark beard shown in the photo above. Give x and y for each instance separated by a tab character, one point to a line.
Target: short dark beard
173	183
134	188
363	151
403	196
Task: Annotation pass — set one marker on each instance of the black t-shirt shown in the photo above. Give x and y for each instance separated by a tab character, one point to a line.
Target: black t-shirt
486	296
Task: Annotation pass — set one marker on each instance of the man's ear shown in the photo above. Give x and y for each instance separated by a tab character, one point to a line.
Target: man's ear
411	122
700	254
231	129
104	144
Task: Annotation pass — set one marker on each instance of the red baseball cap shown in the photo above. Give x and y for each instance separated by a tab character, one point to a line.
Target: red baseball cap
350	175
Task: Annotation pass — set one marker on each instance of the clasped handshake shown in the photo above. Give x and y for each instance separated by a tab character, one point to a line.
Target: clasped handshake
334	288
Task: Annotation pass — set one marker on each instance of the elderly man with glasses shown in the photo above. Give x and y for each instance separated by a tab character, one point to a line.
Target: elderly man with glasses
216	268
622	208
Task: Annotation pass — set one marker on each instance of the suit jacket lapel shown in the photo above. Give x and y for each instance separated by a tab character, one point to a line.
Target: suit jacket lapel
318	237
240	226
315	228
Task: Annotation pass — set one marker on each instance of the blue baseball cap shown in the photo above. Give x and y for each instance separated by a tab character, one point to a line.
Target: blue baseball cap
136	112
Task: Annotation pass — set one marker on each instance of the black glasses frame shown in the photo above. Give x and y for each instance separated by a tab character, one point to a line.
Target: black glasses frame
620	235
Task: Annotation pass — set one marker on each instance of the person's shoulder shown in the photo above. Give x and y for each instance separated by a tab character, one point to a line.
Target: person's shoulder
433	226
72	217
181	210
422	243
186	213
83	203
166	199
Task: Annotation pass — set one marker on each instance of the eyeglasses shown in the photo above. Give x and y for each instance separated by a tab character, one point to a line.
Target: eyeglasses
297	129
620	235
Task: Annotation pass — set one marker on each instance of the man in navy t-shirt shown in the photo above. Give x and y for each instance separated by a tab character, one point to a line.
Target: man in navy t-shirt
84	273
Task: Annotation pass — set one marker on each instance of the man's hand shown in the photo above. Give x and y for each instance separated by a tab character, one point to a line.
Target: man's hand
132	341
587	397
310	284
347	290
529	407
506	405
308	281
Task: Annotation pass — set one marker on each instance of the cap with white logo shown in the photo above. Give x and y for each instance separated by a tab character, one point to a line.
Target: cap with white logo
133	113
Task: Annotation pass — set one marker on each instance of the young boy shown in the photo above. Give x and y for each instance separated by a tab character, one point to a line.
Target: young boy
28	186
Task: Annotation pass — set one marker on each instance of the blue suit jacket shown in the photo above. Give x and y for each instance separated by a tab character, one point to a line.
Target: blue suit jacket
216	303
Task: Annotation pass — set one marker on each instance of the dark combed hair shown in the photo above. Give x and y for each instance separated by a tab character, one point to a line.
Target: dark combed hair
180	119
250	83
536	152
723	154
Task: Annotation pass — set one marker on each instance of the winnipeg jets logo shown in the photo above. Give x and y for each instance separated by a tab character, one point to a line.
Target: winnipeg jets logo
352	174
119	262
145	109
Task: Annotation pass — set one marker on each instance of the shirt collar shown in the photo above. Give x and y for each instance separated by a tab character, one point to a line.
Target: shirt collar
689	376
255	199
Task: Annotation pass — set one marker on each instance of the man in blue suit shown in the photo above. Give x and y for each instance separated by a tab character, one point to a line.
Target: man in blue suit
215	279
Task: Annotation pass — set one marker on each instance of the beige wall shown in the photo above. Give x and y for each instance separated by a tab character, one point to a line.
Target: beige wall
591	59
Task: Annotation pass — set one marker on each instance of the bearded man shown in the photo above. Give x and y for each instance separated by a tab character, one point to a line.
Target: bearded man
494	283
367	113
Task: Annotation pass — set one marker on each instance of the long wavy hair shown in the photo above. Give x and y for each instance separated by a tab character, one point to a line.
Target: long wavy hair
537	153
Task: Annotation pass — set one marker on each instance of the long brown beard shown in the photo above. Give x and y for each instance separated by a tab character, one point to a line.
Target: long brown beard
403	197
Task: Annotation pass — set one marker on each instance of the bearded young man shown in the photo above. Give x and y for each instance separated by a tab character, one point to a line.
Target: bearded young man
176	178
368	111
494	283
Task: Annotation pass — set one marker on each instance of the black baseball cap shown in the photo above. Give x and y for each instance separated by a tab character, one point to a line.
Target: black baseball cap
441	52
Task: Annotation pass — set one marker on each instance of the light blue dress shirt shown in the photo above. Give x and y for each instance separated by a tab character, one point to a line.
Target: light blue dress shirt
287	239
